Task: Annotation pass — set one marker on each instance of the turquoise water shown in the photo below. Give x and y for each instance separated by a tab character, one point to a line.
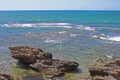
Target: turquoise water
61	16
80	36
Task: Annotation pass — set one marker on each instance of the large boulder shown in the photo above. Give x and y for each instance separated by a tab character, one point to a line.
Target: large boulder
110	71
42	61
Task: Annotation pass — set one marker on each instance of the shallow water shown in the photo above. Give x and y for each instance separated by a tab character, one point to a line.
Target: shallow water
68	39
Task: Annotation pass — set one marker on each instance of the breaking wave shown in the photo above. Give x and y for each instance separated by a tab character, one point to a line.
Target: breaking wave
88	28
65	25
115	38
73	35
50	25
52	41
68	25
110	38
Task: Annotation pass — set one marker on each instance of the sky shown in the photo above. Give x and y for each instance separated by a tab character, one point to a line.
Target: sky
59	4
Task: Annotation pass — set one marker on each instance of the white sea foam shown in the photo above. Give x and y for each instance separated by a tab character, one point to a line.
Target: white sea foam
53	41
85	28
108	28
53	24
18	25
73	35
109	56
115	38
62	32
26	25
104	37
94	36
66	26
50	25
63	25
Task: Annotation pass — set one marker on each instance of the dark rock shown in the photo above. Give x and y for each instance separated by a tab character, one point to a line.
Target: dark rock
113	64
44	55
6	77
41	61
45	58
65	65
25	54
98	72
103	78
110	71
58	67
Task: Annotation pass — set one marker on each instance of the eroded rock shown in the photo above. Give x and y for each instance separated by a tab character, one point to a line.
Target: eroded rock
57	68
6	77
25	54
110	71
42	61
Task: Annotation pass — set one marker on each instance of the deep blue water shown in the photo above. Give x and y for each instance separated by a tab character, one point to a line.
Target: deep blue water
81	36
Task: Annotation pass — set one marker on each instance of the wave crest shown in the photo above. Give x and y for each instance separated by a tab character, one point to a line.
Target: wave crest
88	28
50	25
104	37
52	41
115	38
65	25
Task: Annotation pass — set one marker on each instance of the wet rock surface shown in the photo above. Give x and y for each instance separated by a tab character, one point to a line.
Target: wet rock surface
6	77
42	61
110	71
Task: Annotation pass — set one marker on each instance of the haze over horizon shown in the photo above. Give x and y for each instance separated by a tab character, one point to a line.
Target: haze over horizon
60	5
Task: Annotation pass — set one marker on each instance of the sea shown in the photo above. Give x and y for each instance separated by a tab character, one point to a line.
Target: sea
71	35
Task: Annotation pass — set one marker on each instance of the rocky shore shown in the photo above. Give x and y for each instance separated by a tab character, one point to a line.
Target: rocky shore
45	64
109	71
41	61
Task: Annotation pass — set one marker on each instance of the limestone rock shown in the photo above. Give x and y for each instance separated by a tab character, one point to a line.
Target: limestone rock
57	68
42	61
25	54
110	71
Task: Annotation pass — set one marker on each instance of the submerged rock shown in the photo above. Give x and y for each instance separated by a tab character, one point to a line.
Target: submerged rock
110	71
42	61
6	77
33	77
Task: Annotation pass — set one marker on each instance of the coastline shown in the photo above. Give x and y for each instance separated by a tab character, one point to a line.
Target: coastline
81	36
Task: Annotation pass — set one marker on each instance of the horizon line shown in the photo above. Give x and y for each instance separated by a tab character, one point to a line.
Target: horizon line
58	10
